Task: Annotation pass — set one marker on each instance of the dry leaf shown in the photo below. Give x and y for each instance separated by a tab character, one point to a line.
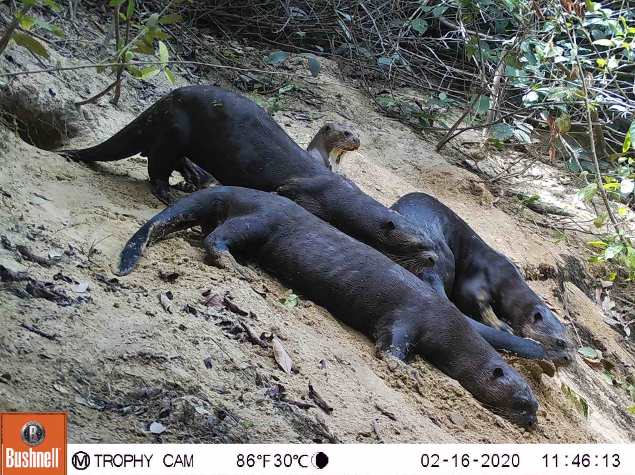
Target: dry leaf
281	356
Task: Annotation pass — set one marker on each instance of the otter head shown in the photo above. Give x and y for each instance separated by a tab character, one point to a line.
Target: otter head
337	136
332	142
406	244
519	306
538	322
503	390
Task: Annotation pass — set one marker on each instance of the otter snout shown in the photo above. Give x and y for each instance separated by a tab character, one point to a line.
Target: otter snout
429	258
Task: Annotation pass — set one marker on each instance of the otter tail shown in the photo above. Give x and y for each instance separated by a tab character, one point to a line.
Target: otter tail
189	211
127	142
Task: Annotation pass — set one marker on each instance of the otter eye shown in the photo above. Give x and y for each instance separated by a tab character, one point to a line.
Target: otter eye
388	225
498	373
537	317
561	343
327	128
348	134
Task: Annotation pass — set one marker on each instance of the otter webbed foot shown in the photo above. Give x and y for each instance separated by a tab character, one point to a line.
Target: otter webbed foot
161	189
195	175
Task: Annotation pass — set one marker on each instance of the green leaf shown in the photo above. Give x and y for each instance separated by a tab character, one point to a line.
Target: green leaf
628	142
158	34
153	21
482	104
622	210
143	49
277	57
420	26
631	409
314	67
501	131
134	71
588	352
26	21
613	251
54	6
384	61
128	56
170	18
163	53
150	72
611	277
558	236
604	42
530	98
286	88
437	12
600	220
588	192
613	63
116	3
289	300
130	9
170	76
30	43
608	376
563	123
611	186
599	244
52	28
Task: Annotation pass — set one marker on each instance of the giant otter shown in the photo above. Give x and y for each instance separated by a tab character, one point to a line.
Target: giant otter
481	282
359	285
238	143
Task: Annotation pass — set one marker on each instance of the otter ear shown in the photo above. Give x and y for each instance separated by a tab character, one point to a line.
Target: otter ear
498	373
388	225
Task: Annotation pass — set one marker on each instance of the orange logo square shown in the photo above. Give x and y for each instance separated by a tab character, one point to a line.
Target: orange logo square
33	443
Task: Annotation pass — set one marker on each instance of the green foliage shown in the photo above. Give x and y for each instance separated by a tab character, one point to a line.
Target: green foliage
27	23
143	43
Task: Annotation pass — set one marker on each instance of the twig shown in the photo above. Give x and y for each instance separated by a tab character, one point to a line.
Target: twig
318	400
38	332
385	412
376	429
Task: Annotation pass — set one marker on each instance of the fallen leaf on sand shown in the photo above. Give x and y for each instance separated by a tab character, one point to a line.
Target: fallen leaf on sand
281	356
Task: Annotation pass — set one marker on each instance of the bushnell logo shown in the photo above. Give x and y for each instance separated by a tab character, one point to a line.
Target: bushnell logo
33	433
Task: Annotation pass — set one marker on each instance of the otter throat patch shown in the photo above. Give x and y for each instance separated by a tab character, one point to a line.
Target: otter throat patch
335	158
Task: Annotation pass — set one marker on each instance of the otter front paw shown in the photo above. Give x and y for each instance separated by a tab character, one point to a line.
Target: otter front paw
224	260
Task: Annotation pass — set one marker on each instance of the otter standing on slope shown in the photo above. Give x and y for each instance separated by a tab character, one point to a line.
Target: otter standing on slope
238	143
360	286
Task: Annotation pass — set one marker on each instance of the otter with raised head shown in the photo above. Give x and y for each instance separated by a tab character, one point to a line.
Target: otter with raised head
331	143
359	285
481	282
238	143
